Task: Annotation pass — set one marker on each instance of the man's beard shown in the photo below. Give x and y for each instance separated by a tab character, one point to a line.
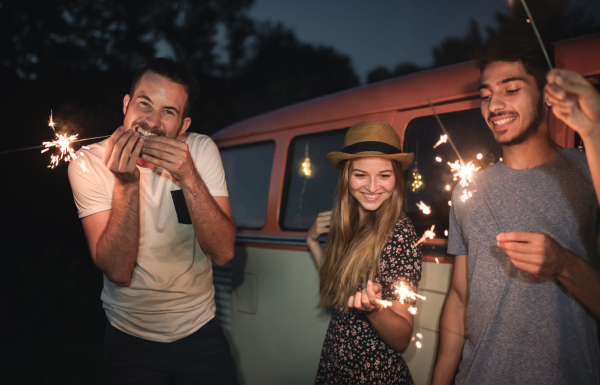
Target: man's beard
531	129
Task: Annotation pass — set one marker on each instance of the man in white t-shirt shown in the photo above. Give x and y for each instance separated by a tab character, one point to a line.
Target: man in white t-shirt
155	211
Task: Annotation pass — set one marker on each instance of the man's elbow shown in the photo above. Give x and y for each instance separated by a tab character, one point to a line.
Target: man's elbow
121	280
223	257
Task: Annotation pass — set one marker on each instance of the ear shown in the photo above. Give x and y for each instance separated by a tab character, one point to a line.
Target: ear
185	125
126	100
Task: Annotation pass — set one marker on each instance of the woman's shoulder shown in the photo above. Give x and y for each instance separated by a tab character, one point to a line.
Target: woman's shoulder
404	224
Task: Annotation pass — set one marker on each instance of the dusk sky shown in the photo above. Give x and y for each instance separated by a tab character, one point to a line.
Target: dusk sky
384	32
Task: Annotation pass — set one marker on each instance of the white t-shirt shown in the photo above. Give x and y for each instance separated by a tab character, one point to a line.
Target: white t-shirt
171	293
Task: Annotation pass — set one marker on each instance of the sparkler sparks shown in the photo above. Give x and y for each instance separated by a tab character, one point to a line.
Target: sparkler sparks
82	164
463	171
63	143
424	208
428	234
405	294
383	303
443	139
438	159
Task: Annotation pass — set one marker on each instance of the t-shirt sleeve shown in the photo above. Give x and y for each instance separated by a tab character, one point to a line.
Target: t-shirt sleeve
456	242
401	260
209	165
90	191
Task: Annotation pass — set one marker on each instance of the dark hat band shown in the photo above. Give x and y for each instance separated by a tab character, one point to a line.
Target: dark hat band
371	146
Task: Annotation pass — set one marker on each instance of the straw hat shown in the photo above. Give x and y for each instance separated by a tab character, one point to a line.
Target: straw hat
371	139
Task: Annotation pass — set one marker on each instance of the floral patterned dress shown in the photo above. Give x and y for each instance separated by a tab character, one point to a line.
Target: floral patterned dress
352	352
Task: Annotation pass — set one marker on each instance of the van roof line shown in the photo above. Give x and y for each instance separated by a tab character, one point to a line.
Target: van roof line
442	85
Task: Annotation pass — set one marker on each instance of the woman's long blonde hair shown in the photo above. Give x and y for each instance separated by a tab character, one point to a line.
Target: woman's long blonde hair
353	246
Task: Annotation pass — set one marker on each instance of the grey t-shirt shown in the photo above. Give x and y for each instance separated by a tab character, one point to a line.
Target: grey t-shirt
522	329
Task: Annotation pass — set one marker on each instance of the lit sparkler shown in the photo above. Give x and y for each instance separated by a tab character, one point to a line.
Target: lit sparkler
63	143
428	234
405	294
424	208
463	171
383	303
443	139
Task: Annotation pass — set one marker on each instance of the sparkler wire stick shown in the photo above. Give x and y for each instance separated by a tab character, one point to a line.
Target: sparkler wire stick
42	146
537	34
462	162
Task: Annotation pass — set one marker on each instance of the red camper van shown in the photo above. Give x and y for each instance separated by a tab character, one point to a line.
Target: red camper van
279	179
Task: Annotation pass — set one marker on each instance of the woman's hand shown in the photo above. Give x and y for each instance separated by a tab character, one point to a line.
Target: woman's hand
368	299
321	226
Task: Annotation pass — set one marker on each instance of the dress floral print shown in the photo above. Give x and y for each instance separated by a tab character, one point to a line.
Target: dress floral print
352	352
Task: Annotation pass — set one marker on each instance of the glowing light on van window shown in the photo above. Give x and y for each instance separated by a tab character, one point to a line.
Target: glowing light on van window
437	260
305	169
449	203
424	208
443	139
417	182
446	232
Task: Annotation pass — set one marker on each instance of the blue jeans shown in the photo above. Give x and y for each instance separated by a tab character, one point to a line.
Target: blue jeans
202	358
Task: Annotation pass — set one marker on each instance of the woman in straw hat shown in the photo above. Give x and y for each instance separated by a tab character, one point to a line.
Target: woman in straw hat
370	249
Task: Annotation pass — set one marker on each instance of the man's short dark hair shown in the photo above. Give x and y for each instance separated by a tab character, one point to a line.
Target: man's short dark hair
175	72
516	49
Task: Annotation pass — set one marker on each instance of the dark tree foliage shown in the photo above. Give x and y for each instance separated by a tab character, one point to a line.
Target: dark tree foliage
555	20
382	73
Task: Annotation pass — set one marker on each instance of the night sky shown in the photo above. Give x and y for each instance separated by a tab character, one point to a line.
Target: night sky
386	32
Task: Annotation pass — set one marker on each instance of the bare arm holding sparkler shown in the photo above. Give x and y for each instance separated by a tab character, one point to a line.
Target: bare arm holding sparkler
319	227
540	255
211	216
393	324
113	235
575	101
452	324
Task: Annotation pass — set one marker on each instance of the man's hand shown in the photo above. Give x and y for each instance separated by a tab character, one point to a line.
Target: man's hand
536	253
121	155
171	154
367	299
574	101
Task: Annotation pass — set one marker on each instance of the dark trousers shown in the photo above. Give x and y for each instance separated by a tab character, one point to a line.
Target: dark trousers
202	358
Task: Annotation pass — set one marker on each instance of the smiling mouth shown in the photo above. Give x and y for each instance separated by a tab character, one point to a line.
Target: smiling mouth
144	133
371	197
504	121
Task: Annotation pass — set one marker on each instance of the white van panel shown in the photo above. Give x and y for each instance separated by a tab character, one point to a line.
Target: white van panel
276	332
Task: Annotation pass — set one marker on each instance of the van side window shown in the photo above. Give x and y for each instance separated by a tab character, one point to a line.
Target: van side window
248	175
310	179
430	180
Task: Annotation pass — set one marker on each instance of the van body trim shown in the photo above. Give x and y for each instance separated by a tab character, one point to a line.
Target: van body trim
430	250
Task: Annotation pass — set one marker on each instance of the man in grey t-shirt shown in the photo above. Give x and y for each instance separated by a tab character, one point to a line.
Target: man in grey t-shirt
523	302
